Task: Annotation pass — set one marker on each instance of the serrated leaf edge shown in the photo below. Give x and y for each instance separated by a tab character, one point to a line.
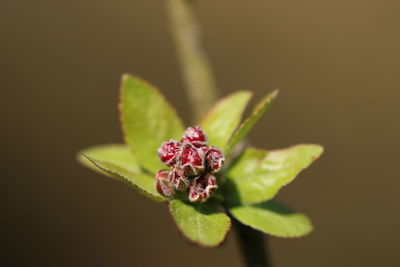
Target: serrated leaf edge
152	87
82	152
271	234
256	111
222	101
295	167
196	242
125	179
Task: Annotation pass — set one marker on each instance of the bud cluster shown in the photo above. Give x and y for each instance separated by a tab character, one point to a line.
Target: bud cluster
192	164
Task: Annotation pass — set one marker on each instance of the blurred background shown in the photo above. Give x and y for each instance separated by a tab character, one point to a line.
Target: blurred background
337	66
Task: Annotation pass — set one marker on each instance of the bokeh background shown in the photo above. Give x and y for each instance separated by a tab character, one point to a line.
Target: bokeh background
337	63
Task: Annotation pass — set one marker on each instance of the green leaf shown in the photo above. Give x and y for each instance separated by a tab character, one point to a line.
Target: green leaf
248	124
140	181
116	154
273	218
204	223
258	175
147	120
224	117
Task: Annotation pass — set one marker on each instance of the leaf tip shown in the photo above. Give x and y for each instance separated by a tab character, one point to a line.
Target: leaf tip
298	235
319	150
80	157
247	94
125	76
274	94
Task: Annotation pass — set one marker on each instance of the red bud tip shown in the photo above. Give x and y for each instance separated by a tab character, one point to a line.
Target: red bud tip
168	152
195	136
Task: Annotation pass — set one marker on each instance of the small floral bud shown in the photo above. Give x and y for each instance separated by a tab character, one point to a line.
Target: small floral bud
163	184
191	165
195	136
192	159
168	152
215	159
202	187
178	179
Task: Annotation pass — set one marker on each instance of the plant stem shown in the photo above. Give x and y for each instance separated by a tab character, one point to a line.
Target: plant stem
199	79
252	244
202	91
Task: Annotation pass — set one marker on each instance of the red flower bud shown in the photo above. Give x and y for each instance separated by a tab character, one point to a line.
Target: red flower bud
192	159
178	179
192	164
202	187
163	184
215	159
168	152
195	136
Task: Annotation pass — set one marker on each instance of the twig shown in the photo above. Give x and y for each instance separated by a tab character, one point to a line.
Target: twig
199	80
253	245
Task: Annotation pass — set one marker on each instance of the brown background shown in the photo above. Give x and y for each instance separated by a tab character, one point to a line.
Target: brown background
336	62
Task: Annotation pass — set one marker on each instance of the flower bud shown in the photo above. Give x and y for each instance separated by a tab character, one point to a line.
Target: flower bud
168	152
195	136
202	187
191	165
178	179
192	159
163	184
215	159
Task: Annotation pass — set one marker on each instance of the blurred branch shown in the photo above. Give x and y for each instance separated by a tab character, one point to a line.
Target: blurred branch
252	244
199	79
